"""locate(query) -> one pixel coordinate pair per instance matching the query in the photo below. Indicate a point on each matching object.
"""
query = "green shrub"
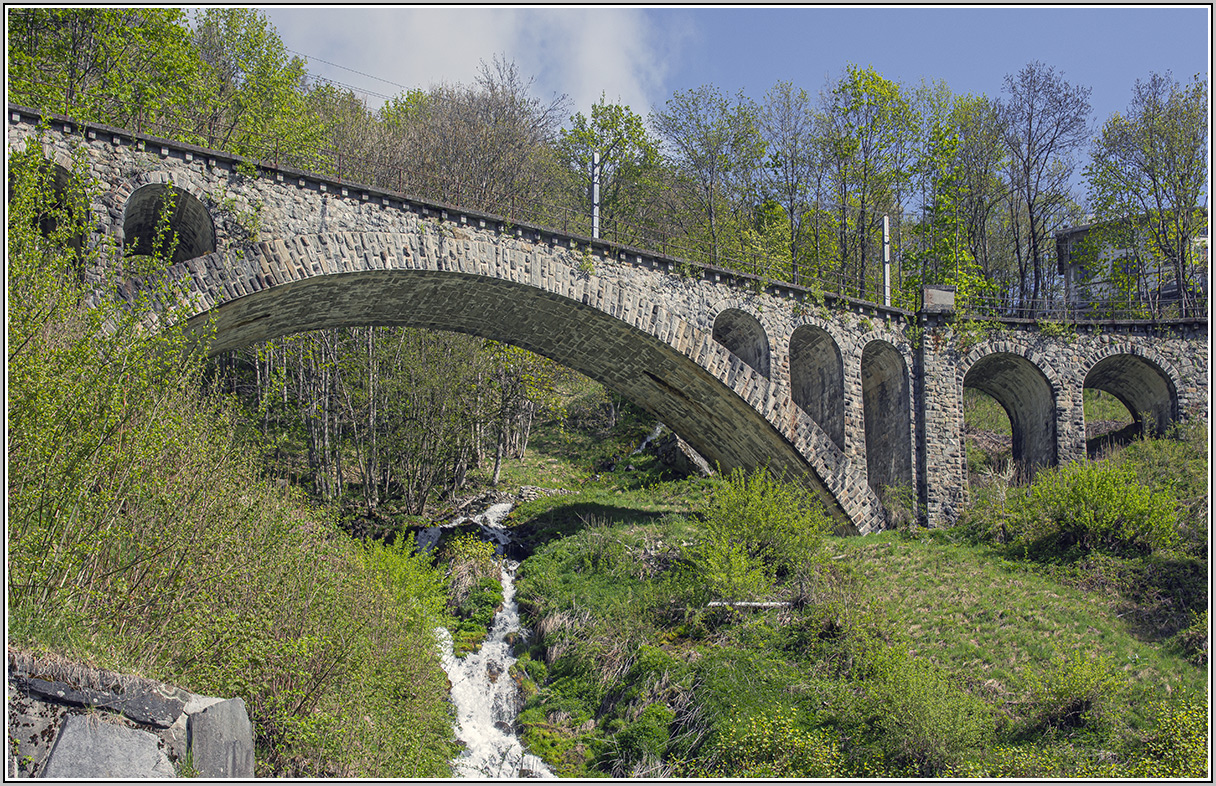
(475, 615)
(757, 530)
(729, 683)
(1178, 747)
(1177, 463)
(1037, 760)
(1085, 506)
(770, 745)
(1075, 691)
(924, 718)
(647, 736)
(469, 560)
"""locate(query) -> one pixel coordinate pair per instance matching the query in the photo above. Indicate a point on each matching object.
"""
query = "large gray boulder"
(98, 724)
(90, 747)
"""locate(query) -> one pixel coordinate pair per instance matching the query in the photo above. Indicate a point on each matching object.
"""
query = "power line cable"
(352, 70)
(345, 86)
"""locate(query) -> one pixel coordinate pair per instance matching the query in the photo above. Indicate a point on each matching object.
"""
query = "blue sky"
(640, 56)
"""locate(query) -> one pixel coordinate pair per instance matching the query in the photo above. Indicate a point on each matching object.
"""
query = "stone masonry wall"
(294, 252)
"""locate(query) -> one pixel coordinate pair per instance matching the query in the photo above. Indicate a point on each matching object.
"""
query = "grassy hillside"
(144, 538)
(1032, 653)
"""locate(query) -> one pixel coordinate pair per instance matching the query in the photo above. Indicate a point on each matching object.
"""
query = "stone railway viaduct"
(849, 396)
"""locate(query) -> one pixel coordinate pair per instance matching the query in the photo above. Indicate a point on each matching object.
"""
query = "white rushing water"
(651, 437)
(486, 698)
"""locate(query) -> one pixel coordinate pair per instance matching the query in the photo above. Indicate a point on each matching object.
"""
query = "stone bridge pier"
(860, 402)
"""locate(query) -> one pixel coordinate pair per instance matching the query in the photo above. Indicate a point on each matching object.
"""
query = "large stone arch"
(619, 331)
(886, 404)
(1142, 383)
(1028, 397)
(745, 337)
(817, 378)
(190, 219)
(634, 285)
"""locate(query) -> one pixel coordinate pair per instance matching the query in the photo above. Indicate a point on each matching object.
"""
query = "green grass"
(981, 411)
(994, 623)
(898, 637)
(1100, 405)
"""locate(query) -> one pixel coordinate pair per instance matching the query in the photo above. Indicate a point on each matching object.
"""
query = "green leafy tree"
(944, 256)
(981, 156)
(250, 97)
(714, 147)
(629, 165)
(134, 68)
(1147, 180)
(868, 133)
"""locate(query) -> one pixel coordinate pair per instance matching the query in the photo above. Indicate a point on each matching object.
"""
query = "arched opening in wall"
(888, 421)
(65, 209)
(1126, 396)
(744, 336)
(817, 379)
(988, 436)
(1021, 389)
(188, 220)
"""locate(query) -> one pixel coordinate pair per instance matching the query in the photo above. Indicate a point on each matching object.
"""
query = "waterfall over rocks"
(487, 699)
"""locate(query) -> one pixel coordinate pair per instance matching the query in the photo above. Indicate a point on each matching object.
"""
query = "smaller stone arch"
(745, 337)
(190, 220)
(1142, 384)
(59, 181)
(1028, 397)
(817, 379)
(59, 168)
(886, 404)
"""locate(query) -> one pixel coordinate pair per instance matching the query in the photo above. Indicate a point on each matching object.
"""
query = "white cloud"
(579, 52)
(594, 52)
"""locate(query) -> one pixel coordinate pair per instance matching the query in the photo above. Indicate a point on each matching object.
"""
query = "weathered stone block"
(939, 299)
(89, 747)
(221, 740)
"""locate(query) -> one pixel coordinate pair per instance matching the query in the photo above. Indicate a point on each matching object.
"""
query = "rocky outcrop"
(72, 721)
(529, 493)
(679, 455)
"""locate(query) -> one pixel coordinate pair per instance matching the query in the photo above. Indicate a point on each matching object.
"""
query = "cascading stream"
(487, 699)
(651, 437)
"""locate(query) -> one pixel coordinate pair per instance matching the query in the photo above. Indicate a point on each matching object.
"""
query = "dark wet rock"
(674, 452)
